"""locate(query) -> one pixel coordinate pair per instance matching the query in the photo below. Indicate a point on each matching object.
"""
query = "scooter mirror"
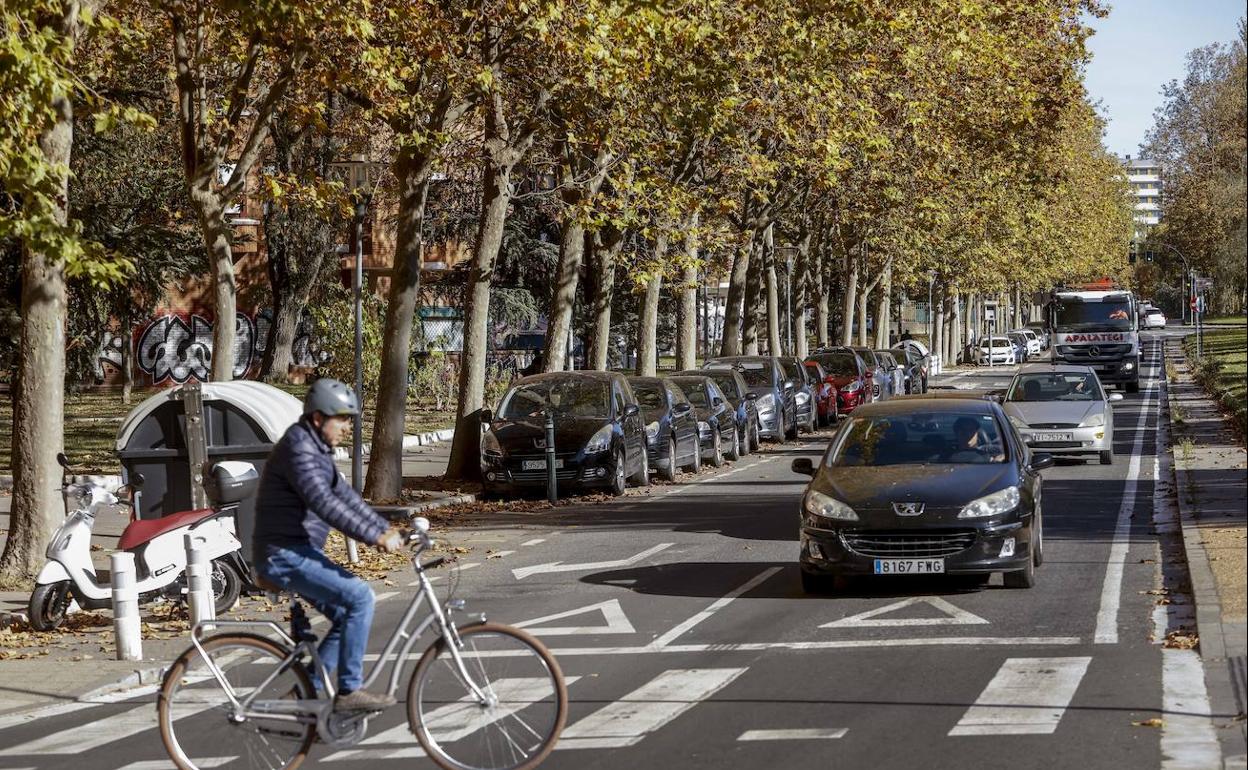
(136, 481)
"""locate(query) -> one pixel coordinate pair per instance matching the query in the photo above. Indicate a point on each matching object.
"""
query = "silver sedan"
(1062, 410)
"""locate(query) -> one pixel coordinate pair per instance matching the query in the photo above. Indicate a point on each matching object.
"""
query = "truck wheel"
(1133, 387)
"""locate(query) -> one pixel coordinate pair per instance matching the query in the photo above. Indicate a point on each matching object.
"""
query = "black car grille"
(1055, 445)
(916, 544)
(1084, 352)
(534, 476)
(1052, 425)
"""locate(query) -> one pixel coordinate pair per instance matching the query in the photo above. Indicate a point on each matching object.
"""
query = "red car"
(847, 372)
(825, 393)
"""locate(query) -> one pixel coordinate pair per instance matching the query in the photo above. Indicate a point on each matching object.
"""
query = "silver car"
(1062, 410)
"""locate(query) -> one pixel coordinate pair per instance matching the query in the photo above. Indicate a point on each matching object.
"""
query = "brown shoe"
(363, 700)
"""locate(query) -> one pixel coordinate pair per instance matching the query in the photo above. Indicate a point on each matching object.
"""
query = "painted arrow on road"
(558, 566)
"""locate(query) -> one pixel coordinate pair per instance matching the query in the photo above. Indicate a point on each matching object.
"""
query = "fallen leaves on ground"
(1181, 640)
(1154, 722)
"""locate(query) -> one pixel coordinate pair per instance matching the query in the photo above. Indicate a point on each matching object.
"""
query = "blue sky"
(1140, 46)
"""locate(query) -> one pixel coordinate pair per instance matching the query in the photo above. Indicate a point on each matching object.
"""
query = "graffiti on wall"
(176, 348)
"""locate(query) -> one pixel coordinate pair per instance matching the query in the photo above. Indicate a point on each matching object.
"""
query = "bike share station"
(191, 459)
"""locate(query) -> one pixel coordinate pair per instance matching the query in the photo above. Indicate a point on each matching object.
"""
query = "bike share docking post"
(126, 623)
(552, 479)
(199, 600)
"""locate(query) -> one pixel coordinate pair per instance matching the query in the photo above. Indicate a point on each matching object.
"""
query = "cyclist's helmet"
(331, 398)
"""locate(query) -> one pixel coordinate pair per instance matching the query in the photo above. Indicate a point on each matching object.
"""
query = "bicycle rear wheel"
(516, 729)
(194, 712)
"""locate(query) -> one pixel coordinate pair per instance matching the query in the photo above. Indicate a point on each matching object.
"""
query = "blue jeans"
(338, 595)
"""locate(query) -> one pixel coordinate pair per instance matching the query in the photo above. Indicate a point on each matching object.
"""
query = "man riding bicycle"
(302, 496)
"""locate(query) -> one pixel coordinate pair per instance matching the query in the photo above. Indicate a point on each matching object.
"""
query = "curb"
(140, 677)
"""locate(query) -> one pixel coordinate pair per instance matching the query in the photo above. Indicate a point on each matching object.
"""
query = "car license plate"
(1054, 437)
(540, 465)
(909, 566)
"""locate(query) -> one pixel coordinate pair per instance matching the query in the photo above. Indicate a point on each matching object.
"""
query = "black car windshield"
(650, 399)
(919, 439)
(1094, 315)
(726, 383)
(839, 364)
(570, 397)
(1055, 386)
(694, 390)
(754, 373)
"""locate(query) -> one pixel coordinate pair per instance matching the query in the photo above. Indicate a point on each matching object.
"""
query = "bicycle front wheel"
(194, 712)
(517, 722)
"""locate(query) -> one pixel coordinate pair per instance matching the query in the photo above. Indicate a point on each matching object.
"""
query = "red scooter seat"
(141, 531)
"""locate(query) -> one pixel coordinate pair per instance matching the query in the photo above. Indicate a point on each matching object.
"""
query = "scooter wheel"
(227, 584)
(48, 605)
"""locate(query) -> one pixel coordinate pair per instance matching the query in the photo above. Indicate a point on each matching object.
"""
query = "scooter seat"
(141, 531)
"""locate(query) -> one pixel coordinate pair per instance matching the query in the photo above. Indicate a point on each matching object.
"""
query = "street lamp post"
(931, 279)
(360, 178)
(1185, 280)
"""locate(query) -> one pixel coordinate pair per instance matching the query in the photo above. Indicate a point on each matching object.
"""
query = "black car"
(743, 400)
(777, 405)
(717, 419)
(922, 486)
(916, 361)
(671, 426)
(600, 439)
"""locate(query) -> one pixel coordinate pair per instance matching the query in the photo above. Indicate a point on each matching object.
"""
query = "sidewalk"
(1211, 481)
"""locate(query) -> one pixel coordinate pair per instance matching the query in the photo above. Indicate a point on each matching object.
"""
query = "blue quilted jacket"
(302, 495)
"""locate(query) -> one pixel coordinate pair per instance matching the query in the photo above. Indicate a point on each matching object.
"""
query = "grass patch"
(92, 419)
(1227, 319)
(1223, 371)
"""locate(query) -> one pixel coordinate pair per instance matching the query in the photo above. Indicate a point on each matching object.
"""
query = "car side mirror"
(682, 408)
(632, 410)
(1114, 397)
(487, 416)
(804, 466)
(1041, 460)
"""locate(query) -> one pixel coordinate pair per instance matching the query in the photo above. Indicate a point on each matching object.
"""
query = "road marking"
(617, 621)
(647, 709)
(811, 734)
(92, 735)
(846, 644)
(1027, 697)
(454, 721)
(382, 597)
(716, 606)
(163, 764)
(558, 566)
(1111, 590)
(954, 616)
(1188, 739)
(534, 541)
(469, 565)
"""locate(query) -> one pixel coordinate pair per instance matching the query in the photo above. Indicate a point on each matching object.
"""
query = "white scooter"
(69, 581)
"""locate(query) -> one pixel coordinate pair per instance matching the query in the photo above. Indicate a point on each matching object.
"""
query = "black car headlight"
(995, 504)
(490, 446)
(600, 441)
(827, 507)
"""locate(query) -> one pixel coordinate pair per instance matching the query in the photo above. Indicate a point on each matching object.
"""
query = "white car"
(1154, 319)
(1034, 345)
(1062, 410)
(1000, 351)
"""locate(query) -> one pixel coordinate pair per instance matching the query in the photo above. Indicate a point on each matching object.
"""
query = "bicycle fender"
(52, 572)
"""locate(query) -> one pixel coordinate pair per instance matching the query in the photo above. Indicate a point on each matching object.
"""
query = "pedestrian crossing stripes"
(1027, 697)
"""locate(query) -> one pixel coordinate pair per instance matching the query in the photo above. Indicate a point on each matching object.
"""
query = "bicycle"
(482, 697)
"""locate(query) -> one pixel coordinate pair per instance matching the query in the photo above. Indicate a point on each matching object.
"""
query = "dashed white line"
(534, 541)
(716, 606)
(1028, 696)
(798, 734)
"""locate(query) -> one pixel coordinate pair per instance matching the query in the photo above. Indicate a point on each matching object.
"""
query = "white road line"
(534, 541)
(558, 566)
(716, 606)
(846, 644)
(163, 764)
(469, 565)
(382, 597)
(610, 611)
(810, 734)
(1188, 738)
(453, 721)
(1111, 589)
(499, 554)
(647, 709)
(92, 735)
(953, 615)
(1027, 697)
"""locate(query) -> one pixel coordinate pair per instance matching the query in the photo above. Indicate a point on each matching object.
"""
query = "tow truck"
(1097, 325)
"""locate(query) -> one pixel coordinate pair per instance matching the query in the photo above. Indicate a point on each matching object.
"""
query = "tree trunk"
(606, 246)
(127, 359)
(687, 309)
(864, 298)
(801, 295)
(775, 345)
(847, 302)
(821, 301)
(734, 304)
(648, 315)
(496, 184)
(385, 465)
(216, 232)
(567, 275)
(883, 310)
(936, 315)
(39, 401)
(753, 300)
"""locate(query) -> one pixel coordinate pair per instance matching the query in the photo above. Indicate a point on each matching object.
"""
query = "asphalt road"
(698, 583)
